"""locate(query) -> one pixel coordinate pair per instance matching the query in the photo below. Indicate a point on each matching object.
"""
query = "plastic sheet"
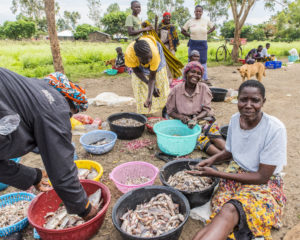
(9, 124)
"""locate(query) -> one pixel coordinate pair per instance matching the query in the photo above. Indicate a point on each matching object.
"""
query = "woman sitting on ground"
(190, 102)
(145, 56)
(250, 198)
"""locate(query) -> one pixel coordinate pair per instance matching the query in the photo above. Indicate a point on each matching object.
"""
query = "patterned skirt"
(140, 91)
(262, 204)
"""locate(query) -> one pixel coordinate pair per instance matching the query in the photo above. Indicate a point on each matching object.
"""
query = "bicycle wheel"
(221, 54)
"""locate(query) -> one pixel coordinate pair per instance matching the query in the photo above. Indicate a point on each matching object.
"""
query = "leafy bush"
(82, 31)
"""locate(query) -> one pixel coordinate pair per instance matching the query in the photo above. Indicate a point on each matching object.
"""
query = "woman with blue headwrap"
(36, 113)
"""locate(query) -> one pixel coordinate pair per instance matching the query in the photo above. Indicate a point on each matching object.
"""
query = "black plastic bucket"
(195, 199)
(219, 94)
(141, 195)
(127, 133)
(223, 131)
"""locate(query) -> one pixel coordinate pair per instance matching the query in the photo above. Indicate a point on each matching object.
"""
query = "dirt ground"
(283, 101)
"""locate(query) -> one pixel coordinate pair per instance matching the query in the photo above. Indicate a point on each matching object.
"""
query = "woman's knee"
(229, 210)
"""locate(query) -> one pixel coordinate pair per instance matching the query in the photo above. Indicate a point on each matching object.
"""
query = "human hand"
(148, 103)
(184, 119)
(203, 171)
(149, 28)
(92, 213)
(192, 123)
(43, 185)
(205, 163)
(156, 92)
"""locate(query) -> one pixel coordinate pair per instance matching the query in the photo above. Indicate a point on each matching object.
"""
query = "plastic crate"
(293, 58)
(273, 64)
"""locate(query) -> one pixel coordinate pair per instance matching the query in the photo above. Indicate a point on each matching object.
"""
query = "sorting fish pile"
(152, 121)
(60, 219)
(127, 122)
(137, 181)
(84, 173)
(100, 142)
(184, 181)
(13, 213)
(154, 218)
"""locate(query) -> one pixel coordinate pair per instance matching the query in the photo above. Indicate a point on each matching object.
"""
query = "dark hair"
(118, 48)
(198, 6)
(254, 84)
(141, 48)
(260, 46)
(268, 44)
(132, 2)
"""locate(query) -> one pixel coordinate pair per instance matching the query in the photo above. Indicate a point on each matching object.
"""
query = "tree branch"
(250, 5)
(242, 9)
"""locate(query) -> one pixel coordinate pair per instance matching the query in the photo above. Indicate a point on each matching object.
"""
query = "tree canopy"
(114, 23)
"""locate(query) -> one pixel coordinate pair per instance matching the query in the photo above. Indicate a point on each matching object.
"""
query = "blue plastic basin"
(175, 138)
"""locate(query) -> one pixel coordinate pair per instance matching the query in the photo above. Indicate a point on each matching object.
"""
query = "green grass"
(87, 60)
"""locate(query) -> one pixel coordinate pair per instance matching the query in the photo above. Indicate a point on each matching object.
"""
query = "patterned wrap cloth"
(262, 204)
(190, 66)
(68, 89)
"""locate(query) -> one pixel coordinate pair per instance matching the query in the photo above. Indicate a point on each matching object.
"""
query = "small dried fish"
(84, 173)
(127, 122)
(60, 219)
(186, 182)
(153, 218)
(100, 142)
(13, 213)
(136, 181)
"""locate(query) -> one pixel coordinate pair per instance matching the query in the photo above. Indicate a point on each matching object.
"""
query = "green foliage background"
(87, 60)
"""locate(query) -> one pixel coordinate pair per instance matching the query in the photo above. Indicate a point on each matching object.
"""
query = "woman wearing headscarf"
(145, 56)
(190, 102)
(169, 37)
(36, 113)
(198, 28)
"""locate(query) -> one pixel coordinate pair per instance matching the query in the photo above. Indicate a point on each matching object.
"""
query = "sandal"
(164, 157)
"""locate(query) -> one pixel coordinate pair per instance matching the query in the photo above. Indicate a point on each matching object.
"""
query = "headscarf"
(194, 52)
(166, 14)
(192, 65)
(68, 89)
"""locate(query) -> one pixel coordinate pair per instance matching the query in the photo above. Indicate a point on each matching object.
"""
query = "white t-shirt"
(264, 53)
(266, 143)
(198, 28)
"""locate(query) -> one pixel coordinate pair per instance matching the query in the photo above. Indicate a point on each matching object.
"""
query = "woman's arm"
(262, 176)
(185, 33)
(211, 30)
(201, 115)
(181, 117)
(132, 32)
(138, 72)
(151, 88)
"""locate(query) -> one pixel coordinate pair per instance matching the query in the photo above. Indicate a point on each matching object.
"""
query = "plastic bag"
(112, 99)
(9, 124)
(84, 119)
(75, 123)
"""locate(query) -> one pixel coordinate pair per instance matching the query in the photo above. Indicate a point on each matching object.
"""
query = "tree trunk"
(55, 49)
(236, 43)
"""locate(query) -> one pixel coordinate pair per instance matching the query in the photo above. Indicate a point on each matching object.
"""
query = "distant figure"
(266, 56)
(194, 56)
(198, 28)
(133, 23)
(254, 55)
(120, 61)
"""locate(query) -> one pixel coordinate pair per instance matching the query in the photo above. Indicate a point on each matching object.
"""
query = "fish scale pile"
(184, 181)
(154, 218)
(137, 181)
(13, 213)
(84, 173)
(60, 219)
(127, 122)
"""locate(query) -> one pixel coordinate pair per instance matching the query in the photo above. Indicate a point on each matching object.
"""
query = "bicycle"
(223, 51)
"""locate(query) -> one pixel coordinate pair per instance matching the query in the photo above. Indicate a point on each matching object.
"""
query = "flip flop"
(164, 157)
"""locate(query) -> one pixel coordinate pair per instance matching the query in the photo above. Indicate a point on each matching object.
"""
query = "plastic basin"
(141, 195)
(127, 133)
(149, 127)
(49, 202)
(88, 164)
(96, 135)
(175, 138)
(111, 72)
(195, 198)
(219, 94)
(133, 170)
(11, 198)
(4, 186)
